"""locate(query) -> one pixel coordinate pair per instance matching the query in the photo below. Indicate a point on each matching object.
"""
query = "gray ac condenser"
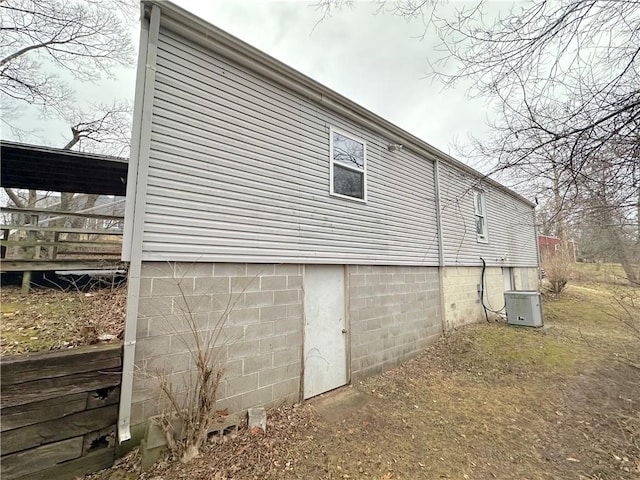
(523, 308)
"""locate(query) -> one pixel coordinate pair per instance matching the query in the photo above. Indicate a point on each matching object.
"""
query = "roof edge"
(62, 151)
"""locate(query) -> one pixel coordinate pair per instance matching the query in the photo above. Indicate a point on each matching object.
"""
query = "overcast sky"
(375, 60)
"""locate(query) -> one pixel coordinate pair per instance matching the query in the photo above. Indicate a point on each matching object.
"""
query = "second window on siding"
(348, 166)
(481, 216)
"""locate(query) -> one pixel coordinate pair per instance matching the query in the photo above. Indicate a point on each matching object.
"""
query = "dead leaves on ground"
(49, 319)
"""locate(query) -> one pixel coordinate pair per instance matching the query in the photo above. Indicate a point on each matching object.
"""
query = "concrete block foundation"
(256, 313)
(461, 291)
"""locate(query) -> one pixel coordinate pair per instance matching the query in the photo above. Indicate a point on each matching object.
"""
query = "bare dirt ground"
(49, 319)
(489, 401)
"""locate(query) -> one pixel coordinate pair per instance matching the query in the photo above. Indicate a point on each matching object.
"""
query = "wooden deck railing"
(42, 240)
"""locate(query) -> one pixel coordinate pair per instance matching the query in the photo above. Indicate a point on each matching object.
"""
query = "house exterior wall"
(510, 223)
(527, 278)
(232, 200)
(239, 170)
(393, 313)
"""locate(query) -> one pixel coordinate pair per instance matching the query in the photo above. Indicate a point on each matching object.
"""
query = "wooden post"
(54, 249)
(3, 249)
(26, 282)
(31, 235)
(37, 248)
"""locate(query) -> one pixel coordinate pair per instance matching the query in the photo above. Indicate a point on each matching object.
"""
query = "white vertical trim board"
(132, 172)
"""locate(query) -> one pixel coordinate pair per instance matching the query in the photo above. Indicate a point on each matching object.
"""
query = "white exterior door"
(325, 347)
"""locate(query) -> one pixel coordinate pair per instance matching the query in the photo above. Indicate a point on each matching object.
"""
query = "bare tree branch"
(564, 80)
(87, 39)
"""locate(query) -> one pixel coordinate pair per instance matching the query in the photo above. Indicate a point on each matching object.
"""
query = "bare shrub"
(558, 268)
(625, 307)
(191, 409)
(96, 306)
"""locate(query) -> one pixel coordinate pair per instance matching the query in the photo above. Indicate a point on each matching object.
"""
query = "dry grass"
(601, 273)
(49, 319)
(489, 401)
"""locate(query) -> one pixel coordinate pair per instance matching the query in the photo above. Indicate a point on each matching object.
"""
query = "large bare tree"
(565, 80)
(41, 43)
(48, 47)
(566, 77)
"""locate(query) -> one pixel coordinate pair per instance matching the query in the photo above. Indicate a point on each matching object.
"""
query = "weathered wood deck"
(88, 264)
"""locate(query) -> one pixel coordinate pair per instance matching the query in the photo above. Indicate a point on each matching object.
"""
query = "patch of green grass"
(578, 306)
(523, 347)
(604, 319)
(593, 308)
(584, 324)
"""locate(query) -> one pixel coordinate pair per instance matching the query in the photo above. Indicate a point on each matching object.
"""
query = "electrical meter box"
(523, 308)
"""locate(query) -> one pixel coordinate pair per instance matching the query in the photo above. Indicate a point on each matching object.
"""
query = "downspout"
(436, 181)
(141, 139)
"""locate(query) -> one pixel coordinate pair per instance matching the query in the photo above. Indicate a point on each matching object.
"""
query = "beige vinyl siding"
(510, 224)
(239, 171)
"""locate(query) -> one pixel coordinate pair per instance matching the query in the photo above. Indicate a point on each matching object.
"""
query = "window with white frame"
(348, 166)
(480, 216)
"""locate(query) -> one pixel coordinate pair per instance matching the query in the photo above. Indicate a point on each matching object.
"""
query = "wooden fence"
(44, 240)
(59, 412)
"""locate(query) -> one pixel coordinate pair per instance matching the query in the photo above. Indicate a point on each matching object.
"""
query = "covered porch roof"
(36, 167)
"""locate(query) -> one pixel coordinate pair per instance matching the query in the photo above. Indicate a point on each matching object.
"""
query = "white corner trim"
(132, 172)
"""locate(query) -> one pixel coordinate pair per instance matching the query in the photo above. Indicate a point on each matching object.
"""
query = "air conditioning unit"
(523, 308)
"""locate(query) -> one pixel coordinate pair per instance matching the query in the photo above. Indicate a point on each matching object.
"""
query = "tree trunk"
(637, 182)
(17, 201)
(561, 223)
(630, 270)
(90, 202)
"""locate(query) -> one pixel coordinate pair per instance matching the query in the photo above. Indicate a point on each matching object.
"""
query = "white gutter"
(203, 33)
(137, 192)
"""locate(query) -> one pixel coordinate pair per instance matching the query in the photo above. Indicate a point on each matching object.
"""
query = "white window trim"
(333, 130)
(481, 238)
